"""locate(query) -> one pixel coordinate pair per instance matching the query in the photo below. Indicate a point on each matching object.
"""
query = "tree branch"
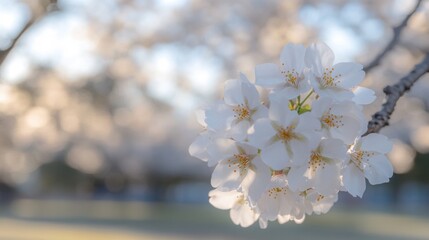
(396, 35)
(42, 9)
(4, 53)
(393, 93)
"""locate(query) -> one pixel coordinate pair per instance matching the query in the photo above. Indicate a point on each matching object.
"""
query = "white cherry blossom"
(287, 81)
(240, 166)
(329, 80)
(367, 159)
(240, 211)
(289, 156)
(322, 170)
(342, 120)
(239, 111)
(278, 201)
(285, 136)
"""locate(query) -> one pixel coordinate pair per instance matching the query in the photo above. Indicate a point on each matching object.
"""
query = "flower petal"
(263, 132)
(233, 94)
(377, 143)
(284, 95)
(354, 180)
(268, 75)
(296, 179)
(379, 170)
(363, 96)
(239, 130)
(250, 94)
(327, 180)
(219, 117)
(292, 57)
(350, 74)
(257, 180)
(334, 149)
(318, 57)
(222, 148)
(198, 147)
(226, 176)
(276, 156)
(223, 200)
(243, 214)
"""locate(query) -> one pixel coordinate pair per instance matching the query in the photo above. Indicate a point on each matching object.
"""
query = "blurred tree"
(108, 89)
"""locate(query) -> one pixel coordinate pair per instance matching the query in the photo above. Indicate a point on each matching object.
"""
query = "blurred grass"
(67, 219)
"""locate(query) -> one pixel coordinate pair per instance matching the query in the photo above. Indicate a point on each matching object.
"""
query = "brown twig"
(44, 7)
(4, 53)
(396, 35)
(393, 93)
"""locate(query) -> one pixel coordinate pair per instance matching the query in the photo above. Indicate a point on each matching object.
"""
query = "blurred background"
(98, 100)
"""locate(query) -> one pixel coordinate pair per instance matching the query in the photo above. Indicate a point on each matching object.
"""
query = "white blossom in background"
(288, 157)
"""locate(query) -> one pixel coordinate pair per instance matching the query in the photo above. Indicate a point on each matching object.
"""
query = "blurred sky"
(117, 83)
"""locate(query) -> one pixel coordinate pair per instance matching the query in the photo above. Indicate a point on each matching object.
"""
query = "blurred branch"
(4, 53)
(396, 35)
(45, 6)
(393, 93)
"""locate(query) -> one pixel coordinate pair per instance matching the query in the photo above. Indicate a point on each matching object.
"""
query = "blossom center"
(286, 134)
(328, 80)
(316, 161)
(330, 120)
(276, 191)
(242, 161)
(241, 112)
(358, 156)
(291, 77)
(320, 198)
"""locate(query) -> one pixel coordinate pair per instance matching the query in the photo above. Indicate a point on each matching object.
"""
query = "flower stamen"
(241, 112)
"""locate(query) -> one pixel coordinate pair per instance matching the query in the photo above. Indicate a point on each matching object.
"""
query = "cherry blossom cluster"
(289, 153)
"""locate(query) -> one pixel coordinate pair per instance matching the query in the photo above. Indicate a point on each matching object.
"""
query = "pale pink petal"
(263, 223)
(268, 75)
(263, 132)
(276, 156)
(243, 215)
(250, 94)
(320, 106)
(349, 74)
(301, 152)
(296, 179)
(379, 170)
(198, 147)
(377, 143)
(257, 180)
(334, 149)
(238, 131)
(308, 122)
(223, 200)
(219, 117)
(233, 94)
(327, 180)
(226, 176)
(201, 115)
(354, 180)
(278, 112)
(284, 95)
(318, 57)
(292, 56)
(363, 96)
(222, 148)
(349, 131)
(261, 112)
